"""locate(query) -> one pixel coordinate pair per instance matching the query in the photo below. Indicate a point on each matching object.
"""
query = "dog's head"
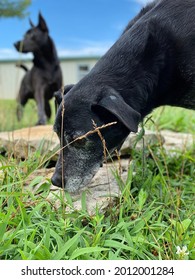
(34, 38)
(87, 125)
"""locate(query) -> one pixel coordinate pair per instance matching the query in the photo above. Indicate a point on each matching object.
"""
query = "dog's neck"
(46, 56)
(145, 73)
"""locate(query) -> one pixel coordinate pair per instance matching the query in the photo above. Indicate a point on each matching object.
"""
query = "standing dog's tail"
(22, 66)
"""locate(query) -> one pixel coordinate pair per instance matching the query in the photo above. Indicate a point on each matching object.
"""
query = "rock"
(102, 189)
(149, 139)
(21, 143)
(105, 186)
(175, 141)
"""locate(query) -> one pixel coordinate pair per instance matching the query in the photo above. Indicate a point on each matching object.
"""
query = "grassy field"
(177, 119)
(154, 214)
(8, 119)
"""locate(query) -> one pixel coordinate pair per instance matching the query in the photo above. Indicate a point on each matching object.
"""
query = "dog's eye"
(75, 140)
(32, 36)
(80, 142)
(68, 138)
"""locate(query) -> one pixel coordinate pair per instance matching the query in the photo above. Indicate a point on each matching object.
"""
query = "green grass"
(8, 119)
(175, 119)
(154, 214)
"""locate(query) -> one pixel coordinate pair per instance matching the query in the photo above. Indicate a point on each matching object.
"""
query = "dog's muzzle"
(17, 45)
(56, 179)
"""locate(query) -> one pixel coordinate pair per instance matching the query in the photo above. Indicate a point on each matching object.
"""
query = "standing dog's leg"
(22, 99)
(40, 100)
(47, 108)
(20, 107)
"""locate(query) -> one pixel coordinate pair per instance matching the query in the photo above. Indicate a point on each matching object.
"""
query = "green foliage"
(154, 214)
(175, 119)
(14, 8)
(8, 119)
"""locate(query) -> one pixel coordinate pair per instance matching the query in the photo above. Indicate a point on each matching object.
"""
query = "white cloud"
(88, 51)
(82, 47)
(12, 54)
(98, 50)
(86, 48)
(143, 2)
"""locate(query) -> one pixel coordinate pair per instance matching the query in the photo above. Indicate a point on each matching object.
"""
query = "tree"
(15, 8)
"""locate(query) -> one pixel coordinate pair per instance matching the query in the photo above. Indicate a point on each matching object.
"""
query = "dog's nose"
(17, 45)
(56, 179)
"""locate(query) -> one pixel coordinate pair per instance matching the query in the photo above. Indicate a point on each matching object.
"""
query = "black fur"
(151, 64)
(45, 77)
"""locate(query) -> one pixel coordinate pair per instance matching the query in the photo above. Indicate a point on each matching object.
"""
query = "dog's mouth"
(18, 45)
(74, 184)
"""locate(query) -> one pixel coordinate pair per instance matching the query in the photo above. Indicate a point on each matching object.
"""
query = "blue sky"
(78, 27)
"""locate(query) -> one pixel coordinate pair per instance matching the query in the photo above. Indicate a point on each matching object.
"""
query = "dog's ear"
(67, 88)
(58, 97)
(158, 42)
(42, 23)
(31, 23)
(60, 93)
(121, 110)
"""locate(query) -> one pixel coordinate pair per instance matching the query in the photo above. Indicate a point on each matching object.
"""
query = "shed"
(73, 69)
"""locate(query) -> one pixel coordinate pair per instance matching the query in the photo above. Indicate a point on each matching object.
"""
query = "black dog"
(45, 77)
(151, 64)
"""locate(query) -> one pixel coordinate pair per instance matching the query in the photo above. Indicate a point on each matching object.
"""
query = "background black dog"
(45, 77)
(151, 64)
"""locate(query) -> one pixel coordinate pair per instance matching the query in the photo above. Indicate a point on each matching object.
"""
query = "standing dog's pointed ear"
(31, 23)
(116, 105)
(42, 23)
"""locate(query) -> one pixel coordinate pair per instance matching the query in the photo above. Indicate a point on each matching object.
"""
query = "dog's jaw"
(75, 184)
